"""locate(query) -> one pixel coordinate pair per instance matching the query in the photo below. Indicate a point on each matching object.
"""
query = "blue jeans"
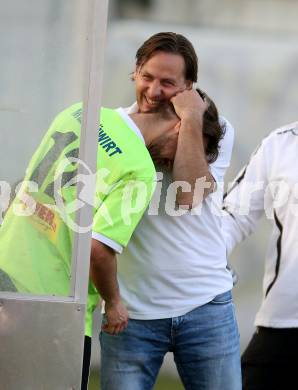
(205, 344)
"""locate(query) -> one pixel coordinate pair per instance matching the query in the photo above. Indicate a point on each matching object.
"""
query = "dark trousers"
(270, 361)
(86, 363)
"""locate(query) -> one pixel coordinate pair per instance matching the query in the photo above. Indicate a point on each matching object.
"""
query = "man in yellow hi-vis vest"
(37, 232)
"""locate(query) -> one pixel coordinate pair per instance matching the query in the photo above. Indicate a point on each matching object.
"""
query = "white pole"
(97, 25)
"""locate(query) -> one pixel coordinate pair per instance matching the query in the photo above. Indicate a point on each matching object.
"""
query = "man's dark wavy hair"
(170, 42)
(213, 130)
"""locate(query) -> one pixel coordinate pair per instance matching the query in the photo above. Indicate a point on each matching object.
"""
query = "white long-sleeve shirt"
(269, 184)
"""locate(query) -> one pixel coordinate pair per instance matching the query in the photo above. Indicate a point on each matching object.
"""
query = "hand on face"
(163, 149)
(158, 79)
(189, 103)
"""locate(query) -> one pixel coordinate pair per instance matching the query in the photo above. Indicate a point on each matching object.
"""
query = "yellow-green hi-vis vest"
(36, 236)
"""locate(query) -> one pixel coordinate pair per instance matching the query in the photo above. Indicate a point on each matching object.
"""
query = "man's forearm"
(190, 162)
(103, 271)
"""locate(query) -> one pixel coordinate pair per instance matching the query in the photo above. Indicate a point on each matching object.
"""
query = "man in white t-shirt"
(268, 186)
(173, 276)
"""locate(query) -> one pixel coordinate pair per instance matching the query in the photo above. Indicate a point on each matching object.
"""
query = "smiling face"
(159, 79)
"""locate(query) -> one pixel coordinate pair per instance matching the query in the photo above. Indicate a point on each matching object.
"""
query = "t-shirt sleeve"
(219, 167)
(121, 210)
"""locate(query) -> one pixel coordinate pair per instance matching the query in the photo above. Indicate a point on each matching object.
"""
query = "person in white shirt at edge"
(268, 185)
(173, 278)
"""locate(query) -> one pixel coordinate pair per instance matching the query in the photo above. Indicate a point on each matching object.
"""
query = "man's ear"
(134, 73)
(189, 84)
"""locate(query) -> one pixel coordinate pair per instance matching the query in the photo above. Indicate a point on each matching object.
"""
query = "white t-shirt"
(269, 184)
(172, 263)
